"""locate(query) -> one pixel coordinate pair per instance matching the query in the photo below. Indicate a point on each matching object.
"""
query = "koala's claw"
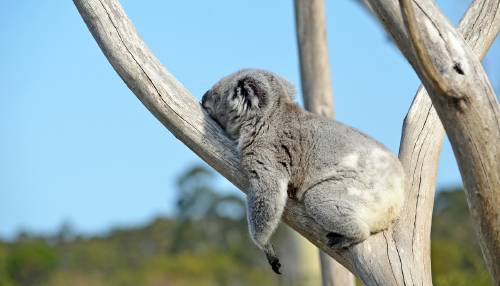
(275, 263)
(338, 241)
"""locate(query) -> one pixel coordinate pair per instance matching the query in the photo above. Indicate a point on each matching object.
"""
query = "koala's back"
(344, 160)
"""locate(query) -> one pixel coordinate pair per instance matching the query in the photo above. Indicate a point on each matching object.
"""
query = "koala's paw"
(338, 241)
(275, 263)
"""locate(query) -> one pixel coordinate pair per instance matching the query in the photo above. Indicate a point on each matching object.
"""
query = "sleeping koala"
(348, 183)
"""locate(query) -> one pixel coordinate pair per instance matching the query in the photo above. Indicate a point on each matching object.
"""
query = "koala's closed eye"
(236, 91)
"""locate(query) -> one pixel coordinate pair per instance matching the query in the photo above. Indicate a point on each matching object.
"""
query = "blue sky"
(77, 146)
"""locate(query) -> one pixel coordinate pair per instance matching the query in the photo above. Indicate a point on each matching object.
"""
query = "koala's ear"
(252, 91)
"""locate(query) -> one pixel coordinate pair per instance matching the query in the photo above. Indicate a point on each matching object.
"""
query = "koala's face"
(242, 97)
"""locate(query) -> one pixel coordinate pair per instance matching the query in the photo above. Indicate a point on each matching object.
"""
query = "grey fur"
(348, 182)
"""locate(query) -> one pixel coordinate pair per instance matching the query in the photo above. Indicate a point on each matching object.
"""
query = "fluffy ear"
(252, 90)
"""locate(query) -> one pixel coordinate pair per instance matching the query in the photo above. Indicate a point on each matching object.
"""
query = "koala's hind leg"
(338, 214)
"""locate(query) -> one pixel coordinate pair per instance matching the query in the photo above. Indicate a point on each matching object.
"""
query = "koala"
(349, 184)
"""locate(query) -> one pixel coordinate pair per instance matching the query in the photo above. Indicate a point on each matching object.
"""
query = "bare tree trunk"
(400, 255)
(467, 106)
(333, 273)
(318, 97)
(313, 57)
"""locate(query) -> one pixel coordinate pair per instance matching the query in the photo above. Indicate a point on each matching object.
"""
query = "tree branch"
(366, 4)
(313, 57)
(378, 261)
(469, 111)
(423, 133)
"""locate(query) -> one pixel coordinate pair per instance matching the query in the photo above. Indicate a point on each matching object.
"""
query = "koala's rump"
(359, 171)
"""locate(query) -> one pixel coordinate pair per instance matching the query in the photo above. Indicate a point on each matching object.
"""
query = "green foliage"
(30, 262)
(207, 243)
(4, 275)
(455, 253)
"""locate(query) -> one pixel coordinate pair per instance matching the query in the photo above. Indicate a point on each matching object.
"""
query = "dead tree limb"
(317, 91)
(422, 131)
(467, 106)
(388, 258)
(313, 57)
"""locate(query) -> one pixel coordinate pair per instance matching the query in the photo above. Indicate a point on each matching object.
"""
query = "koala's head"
(244, 96)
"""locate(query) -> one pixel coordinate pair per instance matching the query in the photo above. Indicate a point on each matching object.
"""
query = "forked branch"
(389, 258)
(468, 108)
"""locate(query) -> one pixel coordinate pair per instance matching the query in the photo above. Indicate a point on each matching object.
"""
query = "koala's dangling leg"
(266, 201)
(337, 213)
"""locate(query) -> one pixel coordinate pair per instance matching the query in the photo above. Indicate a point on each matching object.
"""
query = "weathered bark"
(423, 132)
(366, 4)
(310, 25)
(314, 71)
(468, 108)
(393, 257)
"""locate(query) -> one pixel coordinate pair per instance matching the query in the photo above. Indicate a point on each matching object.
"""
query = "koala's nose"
(204, 99)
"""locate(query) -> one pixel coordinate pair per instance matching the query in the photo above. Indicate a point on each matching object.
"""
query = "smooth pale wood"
(423, 132)
(365, 4)
(468, 108)
(313, 56)
(303, 268)
(317, 91)
(384, 259)
(333, 273)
